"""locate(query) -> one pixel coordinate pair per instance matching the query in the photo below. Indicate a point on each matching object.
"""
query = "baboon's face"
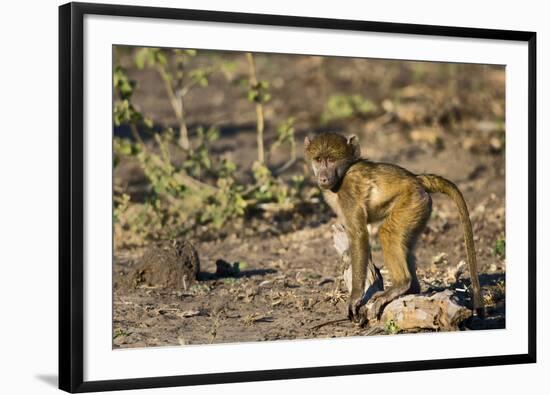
(328, 171)
(330, 155)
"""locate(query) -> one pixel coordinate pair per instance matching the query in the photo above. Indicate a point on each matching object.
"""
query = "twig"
(284, 167)
(191, 182)
(181, 177)
(137, 137)
(176, 100)
(313, 328)
(374, 330)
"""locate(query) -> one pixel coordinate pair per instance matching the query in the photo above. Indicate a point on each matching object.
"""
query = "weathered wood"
(439, 311)
(373, 282)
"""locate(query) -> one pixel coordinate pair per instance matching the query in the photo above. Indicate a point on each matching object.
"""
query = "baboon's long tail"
(433, 183)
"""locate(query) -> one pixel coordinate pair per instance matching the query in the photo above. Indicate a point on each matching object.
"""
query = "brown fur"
(360, 192)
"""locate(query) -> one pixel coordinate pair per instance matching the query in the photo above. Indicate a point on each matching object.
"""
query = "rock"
(412, 113)
(440, 259)
(488, 127)
(429, 135)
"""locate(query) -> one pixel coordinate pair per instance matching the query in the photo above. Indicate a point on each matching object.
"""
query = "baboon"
(360, 191)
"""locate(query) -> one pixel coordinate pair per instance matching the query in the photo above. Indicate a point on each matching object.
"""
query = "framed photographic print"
(251, 197)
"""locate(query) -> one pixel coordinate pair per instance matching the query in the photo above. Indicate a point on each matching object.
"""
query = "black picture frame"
(71, 203)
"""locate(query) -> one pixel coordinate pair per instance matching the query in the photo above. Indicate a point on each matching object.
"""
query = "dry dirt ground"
(289, 275)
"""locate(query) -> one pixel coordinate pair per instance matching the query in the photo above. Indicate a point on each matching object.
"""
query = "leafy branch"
(178, 83)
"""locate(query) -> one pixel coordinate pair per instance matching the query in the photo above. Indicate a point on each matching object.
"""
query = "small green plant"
(121, 203)
(198, 161)
(124, 111)
(135, 223)
(149, 57)
(264, 182)
(340, 107)
(286, 136)
(259, 92)
(230, 280)
(200, 288)
(238, 267)
(500, 248)
(391, 328)
(297, 183)
(123, 147)
(121, 332)
(226, 203)
(269, 188)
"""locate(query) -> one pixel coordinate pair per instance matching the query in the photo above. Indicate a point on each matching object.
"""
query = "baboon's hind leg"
(398, 236)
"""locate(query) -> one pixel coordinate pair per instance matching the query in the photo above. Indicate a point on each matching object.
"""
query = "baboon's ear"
(353, 141)
(307, 142)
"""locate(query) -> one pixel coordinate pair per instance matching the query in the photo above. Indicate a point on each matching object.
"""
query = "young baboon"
(361, 192)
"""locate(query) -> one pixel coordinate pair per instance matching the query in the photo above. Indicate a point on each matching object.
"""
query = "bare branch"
(259, 108)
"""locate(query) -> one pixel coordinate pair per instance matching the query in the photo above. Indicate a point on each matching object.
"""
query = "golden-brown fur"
(360, 192)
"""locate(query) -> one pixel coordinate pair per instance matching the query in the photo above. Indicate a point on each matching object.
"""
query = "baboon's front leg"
(373, 281)
(358, 236)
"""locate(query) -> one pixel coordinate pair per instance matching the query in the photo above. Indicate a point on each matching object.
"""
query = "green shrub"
(340, 107)
(186, 185)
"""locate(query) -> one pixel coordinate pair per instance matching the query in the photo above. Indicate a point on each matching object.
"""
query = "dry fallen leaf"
(190, 313)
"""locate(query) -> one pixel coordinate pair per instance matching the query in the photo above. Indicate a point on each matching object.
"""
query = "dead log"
(439, 311)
